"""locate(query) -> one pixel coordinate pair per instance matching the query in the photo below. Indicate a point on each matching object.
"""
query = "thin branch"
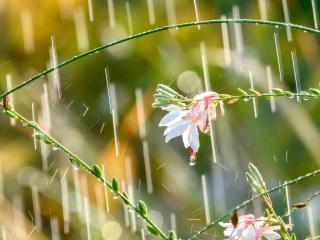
(76, 160)
(156, 30)
(245, 203)
(166, 96)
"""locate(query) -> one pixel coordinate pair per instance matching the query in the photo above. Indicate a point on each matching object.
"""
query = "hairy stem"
(245, 203)
(84, 166)
(156, 30)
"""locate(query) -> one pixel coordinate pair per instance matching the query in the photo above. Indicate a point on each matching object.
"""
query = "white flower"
(251, 228)
(186, 122)
(177, 125)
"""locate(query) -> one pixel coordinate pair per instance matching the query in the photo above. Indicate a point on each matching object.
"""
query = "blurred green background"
(40, 188)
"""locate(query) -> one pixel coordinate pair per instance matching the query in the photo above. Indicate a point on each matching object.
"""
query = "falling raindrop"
(287, 19)
(315, 14)
(151, 14)
(112, 19)
(87, 215)
(77, 189)
(65, 8)
(27, 31)
(10, 97)
(288, 203)
(147, 163)
(270, 87)
(171, 12)
(116, 196)
(254, 103)
(54, 64)
(279, 58)
(142, 133)
(132, 212)
(205, 198)
(125, 207)
(143, 237)
(263, 9)
(105, 189)
(192, 161)
(173, 222)
(36, 207)
(208, 88)
(46, 114)
(311, 221)
(296, 72)
(81, 29)
(238, 36)
(18, 218)
(75, 163)
(90, 10)
(114, 114)
(54, 223)
(86, 109)
(196, 9)
(226, 42)
(4, 233)
(34, 131)
(129, 17)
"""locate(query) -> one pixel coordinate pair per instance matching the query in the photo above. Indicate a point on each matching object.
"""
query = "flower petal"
(170, 117)
(271, 235)
(171, 108)
(249, 233)
(201, 96)
(194, 143)
(176, 131)
(186, 137)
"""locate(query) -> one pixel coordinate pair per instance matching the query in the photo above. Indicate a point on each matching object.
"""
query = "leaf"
(256, 93)
(278, 91)
(126, 198)
(252, 181)
(232, 101)
(288, 93)
(96, 170)
(257, 176)
(40, 136)
(315, 91)
(153, 230)
(169, 90)
(142, 208)
(10, 114)
(115, 185)
(242, 92)
(172, 235)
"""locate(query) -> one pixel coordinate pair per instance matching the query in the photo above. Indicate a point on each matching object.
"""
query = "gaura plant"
(186, 117)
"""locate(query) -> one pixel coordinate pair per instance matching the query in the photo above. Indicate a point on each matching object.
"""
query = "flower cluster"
(250, 228)
(186, 121)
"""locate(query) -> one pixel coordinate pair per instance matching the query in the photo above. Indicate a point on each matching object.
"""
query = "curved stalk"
(245, 203)
(156, 30)
(80, 163)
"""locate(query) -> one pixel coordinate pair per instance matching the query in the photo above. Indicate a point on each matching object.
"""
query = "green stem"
(85, 166)
(249, 96)
(247, 202)
(282, 224)
(156, 30)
